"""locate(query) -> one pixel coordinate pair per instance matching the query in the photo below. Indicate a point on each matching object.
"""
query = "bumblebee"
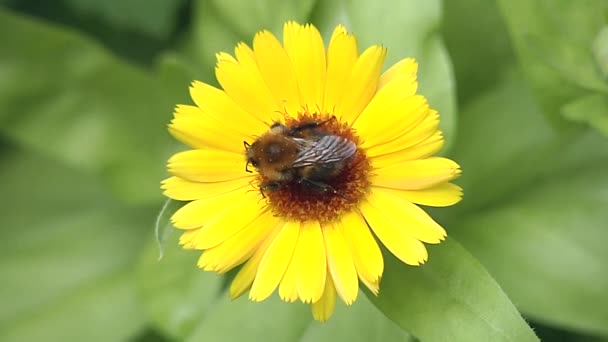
(304, 154)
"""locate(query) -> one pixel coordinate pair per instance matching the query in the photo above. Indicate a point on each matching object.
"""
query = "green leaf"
(360, 322)
(476, 69)
(554, 40)
(600, 50)
(591, 109)
(67, 254)
(242, 319)
(506, 137)
(247, 17)
(450, 298)
(68, 98)
(409, 29)
(547, 249)
(176, 294)
(274, 320)
(153, 17)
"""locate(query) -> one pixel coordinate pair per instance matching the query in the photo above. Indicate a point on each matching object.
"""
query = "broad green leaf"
(600, 50)
(274, 320)
(360, 322)
(547, 249)
(175, 293)
(247, 17)
(554, 40)
(153, 17)
(450, 298)
(244, 320)
(591, 109)
(210, 35)
(480, 49)
(510, 144)
(409, 29)
(67, 97)
(67, 255)
(504, 133)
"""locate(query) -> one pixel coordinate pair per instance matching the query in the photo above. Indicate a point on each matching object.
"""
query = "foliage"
(86, 91)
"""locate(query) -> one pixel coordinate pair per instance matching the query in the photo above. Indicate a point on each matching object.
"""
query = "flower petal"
(218, 105)
(305, 48)
(364, 249)
(246, 275)
(386, 119)
(414, 174)
(184, 190)
(406, 67)
(241, 246)
(275, 262)
(361, 84)
(340, 264)
(342, 55)
(230, 220)
(405, 216)
(408, 249)
(197, 213)
(417, 134)
(208, 165)
(324, 307)
(441, 195)
(203, 131)
(185, 240)
(288, 289)
(244, 84)
(311, 263)
(277, 70)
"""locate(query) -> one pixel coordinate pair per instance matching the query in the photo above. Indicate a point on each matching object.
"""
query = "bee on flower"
(302, 161)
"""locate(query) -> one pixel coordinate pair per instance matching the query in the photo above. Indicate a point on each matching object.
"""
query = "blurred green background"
(87, 88)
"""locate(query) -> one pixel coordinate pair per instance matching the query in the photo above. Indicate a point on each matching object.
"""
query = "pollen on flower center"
(323, 200)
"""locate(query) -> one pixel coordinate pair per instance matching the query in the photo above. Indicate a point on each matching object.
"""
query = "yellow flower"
(308, 231)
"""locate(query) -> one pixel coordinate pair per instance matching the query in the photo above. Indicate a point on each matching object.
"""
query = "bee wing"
(328, 149)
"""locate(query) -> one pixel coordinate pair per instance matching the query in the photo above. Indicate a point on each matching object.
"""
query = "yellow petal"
(416, 134)
(244, 84)
(203, 131)
(414, 174)
(196, 213)
(288, 289)
(324, 307)
(405, 216)
(406, 67)
(361, 84)
(240, 246)
(408, 249)
(441, 195)
(383, 121)
(185, 240)
(340, 264)
(275, 261)
(208, 165)
(364, 249)
(342, 55)
(246, 275)
(310, 262)
(229, 221)
(218, 105)
(305, 48)
(277, 71)
(185, 190)
(374, 287)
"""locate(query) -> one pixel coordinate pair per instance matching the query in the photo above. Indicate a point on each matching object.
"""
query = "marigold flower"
(309, 228)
